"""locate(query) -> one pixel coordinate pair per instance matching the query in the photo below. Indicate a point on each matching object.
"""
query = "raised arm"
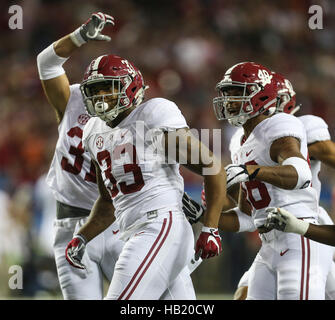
(50, 61)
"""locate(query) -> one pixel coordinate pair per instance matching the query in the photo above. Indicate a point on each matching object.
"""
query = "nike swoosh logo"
(283, 252)
(211, 238)
(248, 153)
(115, 232)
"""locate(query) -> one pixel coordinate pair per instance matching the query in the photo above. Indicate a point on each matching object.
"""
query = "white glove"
(91, 29)
(283, 220)
(237, 173)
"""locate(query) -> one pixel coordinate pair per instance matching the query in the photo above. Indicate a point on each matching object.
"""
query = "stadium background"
(182, 48)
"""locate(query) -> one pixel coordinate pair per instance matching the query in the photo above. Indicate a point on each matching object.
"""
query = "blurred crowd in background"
(183, 48)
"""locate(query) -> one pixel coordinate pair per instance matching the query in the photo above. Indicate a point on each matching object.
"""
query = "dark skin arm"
(186, 146)
(324, 234)
(323, 151)
(234, 194)
(102, 213)
(283, 176)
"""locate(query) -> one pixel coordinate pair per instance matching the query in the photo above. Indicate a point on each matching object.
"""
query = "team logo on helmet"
(264, 77)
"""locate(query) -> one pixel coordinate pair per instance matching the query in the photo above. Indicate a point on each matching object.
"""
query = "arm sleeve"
(49, 64)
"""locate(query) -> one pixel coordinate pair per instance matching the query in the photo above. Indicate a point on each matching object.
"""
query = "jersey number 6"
(265, 199)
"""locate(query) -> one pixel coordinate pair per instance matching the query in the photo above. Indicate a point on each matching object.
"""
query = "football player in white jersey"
(320, 149)
(271, 164)
(139, 181)
(72, 173)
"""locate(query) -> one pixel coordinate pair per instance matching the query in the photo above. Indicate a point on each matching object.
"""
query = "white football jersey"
(72, 173)
(256, 150)
(316, 130)
(131, 167)
(235, 143)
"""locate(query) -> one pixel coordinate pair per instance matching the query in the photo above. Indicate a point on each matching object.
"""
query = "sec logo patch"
(99, 142)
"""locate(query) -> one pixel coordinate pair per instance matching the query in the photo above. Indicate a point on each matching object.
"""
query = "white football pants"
(100, 257)
(153, 262)
(289, 267)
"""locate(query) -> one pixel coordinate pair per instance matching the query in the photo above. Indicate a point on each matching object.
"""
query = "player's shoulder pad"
(75, 97)
(316, 128)
(157, 105)
(313, 122)
(75, 92)
(75, 88)
(283, 125)
(162, 113)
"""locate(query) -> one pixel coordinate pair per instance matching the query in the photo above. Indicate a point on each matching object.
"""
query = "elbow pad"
(303, 171)
(49, 64)
(245, 221)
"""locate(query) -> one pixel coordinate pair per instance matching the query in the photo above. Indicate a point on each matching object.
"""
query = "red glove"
(75, 250)
(209, 243)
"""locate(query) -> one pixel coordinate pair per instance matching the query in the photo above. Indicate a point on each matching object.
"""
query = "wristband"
(81, 237)
(208, 229)
(246, 223)
(77, 38)
(303, 171)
